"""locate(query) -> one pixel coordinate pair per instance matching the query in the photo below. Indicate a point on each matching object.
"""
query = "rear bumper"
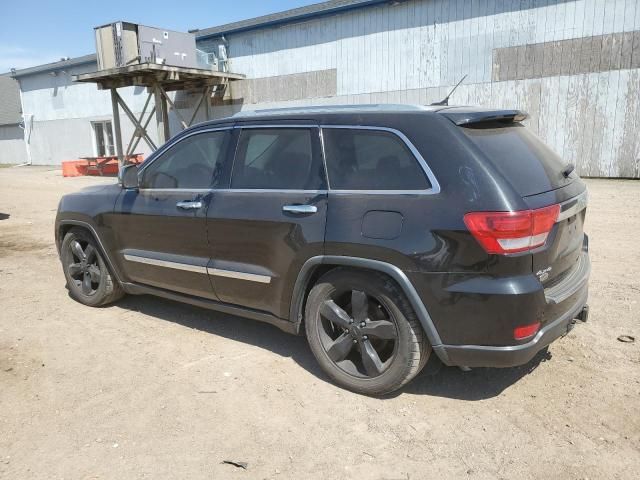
(514, 355)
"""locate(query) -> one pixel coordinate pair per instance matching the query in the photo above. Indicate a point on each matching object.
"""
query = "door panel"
(162, 245)
(379, 196)
(257, 248)
(272, 219)
(161, 229)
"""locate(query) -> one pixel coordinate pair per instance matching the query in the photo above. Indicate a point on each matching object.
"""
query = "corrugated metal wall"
(583, 95)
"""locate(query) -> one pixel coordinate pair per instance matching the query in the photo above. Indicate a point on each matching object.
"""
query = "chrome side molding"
(252, 277)
(165, 263)
(201, 269)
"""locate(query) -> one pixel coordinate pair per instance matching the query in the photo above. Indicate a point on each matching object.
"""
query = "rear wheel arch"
(317, 266)
(308, 275)
(371, 342)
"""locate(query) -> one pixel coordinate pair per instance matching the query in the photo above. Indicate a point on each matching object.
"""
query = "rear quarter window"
(520, 156)
(359, 159)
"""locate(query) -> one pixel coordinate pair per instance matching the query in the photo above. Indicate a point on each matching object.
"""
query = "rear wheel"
(88, 277)
(363, 332)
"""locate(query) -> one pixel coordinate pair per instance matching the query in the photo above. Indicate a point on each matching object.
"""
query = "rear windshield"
(520, 156)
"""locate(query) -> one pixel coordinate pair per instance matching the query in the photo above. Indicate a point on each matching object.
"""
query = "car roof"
(348, 113)
(331, 113)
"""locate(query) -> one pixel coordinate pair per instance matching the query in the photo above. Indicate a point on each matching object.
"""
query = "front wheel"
(88, 278)
(363, 332)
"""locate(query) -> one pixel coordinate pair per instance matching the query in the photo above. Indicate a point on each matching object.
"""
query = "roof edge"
(287, 16)
(47, 67)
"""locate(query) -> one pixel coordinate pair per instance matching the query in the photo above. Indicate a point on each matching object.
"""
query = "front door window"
(193, 163)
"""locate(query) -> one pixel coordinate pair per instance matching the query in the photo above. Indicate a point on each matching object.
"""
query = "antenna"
(445, 100)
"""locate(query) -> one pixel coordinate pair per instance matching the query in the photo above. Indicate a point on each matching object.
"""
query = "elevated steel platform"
(149, 74)
(158, 79)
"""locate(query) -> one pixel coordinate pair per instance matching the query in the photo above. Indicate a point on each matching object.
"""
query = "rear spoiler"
(465, 117)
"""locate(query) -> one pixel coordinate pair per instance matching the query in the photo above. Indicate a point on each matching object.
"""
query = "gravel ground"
(147, 388)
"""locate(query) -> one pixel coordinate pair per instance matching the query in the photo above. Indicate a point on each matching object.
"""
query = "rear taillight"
(512, 232)
(526, 331)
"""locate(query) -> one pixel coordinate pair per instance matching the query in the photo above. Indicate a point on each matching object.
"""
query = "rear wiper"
(568, 169)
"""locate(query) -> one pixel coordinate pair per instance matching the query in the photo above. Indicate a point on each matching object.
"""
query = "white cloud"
(14, 56)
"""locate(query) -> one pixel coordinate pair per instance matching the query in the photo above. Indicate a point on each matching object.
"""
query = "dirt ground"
(148, 388)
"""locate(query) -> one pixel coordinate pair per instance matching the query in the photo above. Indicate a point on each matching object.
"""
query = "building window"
(103, 136)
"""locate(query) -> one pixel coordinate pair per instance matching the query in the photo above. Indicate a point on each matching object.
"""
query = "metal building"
(69, 120)
(574, 65)
(12, 144)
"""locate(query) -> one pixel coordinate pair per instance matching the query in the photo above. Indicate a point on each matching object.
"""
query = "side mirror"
(129, 176)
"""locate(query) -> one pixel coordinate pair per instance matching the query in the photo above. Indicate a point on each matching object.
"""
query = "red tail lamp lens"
(512, 232)
(520, 333)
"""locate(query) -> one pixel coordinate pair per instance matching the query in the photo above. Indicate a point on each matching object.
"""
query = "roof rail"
(336, 109)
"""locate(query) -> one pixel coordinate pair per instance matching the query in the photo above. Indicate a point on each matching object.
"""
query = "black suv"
(382, 232)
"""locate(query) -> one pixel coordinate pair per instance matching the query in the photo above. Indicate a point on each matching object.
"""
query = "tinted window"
(195, 162)
(371, 160)
(525, 161)
(277, 158)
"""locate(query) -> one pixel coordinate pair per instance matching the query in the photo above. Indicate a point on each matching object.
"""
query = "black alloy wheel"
(84, 269)
(358, 333)
(363, 331)
(88, 278)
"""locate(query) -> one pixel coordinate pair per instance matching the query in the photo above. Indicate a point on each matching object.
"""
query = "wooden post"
(160, 116)
(165, 116)
(116, 126)
(207, 102)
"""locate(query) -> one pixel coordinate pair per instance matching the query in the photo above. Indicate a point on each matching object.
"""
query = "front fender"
(90, 208)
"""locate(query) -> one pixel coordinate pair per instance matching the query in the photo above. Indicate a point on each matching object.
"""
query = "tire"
(85, 262)
(389, 326)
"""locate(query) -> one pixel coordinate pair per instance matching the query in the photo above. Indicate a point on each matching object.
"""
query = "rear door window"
(359, 159)
(277, 159)
(521, 157)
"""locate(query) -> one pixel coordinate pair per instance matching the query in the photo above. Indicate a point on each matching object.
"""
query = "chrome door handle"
(300, 209)
(189, 205)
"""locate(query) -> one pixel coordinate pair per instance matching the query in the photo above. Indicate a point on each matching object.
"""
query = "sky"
(38, 31)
